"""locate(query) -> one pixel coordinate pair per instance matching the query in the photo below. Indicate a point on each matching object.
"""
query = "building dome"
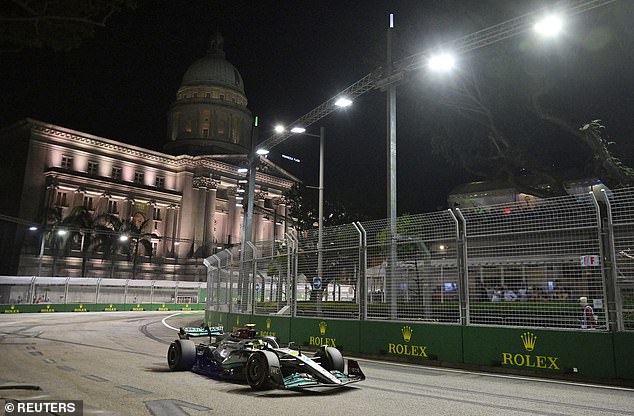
(210, 114)
(214, 69)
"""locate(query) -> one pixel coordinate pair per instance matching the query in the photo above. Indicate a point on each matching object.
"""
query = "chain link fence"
(537, 263)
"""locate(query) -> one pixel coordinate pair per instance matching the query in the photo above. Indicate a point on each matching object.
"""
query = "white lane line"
(534, 379)
(175, 314)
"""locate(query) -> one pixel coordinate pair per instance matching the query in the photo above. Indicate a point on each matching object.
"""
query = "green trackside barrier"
(623, 355)
(312, 333)
(588, 353)
(99, 307)
(418, 343)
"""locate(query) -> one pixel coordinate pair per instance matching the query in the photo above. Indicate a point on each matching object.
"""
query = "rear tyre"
(330, 358)
(258, 372)
(181, 355)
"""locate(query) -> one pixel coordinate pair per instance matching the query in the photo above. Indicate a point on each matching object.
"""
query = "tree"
(60, 25)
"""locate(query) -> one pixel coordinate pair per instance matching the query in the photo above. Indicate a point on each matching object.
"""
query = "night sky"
(295, 55)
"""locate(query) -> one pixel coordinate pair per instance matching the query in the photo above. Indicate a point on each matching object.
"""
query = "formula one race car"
(260, 360)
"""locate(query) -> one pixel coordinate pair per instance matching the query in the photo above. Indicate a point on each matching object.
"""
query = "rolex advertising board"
(412, 342)
(313, 333)
(540, 350)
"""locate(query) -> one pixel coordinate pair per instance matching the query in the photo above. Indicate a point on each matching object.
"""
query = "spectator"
(588, 318)
(509, 295)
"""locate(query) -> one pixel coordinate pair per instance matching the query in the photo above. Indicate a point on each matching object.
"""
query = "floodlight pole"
(391, 180)
(320, 222)
(247, 225)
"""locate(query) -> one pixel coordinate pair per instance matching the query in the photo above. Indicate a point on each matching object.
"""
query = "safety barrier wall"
(587, 355)
(97, 307)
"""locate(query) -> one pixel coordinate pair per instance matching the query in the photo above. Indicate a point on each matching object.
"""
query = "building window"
(222, 97)
(93, 167)
(112, 207)
(88, 203)
(116, 172)
(154, 248)
(159, 182)
(157, 214)
(205, 132)
(60, 200)
(208, 95)
(67, 162)
(139, 177)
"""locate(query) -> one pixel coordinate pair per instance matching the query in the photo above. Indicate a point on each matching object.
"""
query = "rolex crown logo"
(528, 339)
(407, 333)
(322, 327)
(268, 324)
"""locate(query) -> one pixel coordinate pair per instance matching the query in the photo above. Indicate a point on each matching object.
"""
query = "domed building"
(188, 201)
(210, 114)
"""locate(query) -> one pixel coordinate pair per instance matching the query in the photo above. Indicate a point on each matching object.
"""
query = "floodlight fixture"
(549, 26)
(442, 62)
(343, 102)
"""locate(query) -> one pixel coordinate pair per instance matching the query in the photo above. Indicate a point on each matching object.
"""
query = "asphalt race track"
(115, 362)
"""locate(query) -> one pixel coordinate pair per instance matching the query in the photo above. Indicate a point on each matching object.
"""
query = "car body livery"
(260, 360)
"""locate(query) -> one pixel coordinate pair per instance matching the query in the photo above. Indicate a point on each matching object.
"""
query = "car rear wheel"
(330, 358)
(258, 372)
(181, 355)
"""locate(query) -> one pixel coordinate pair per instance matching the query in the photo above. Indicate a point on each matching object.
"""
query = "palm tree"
(79, 225)
(108, 228)
(135, 237)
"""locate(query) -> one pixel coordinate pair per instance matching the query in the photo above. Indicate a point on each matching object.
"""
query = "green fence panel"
(624, 355)
(331, 332)
(412, 342)
(588, 353)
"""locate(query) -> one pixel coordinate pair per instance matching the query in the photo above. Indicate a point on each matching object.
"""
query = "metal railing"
(527, 264)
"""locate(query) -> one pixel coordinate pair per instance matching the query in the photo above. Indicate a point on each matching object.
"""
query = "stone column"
(258, 216)
(210, 214)
(168, 236)
(78, 198)
(126, 209)
(232, 212)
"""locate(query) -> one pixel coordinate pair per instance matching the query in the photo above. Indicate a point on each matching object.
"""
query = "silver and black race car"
(260, 360)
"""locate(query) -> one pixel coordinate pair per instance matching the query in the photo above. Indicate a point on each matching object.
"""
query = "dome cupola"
(210, 114)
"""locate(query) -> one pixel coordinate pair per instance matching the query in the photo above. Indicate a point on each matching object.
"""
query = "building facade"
(188, 201)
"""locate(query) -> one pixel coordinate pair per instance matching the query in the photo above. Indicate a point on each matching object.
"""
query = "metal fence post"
(463, 268)
(254, 270)
(615, 302)
(362, 293)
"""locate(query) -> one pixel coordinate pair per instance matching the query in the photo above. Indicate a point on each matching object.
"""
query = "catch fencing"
(19, 290)
(534, 263)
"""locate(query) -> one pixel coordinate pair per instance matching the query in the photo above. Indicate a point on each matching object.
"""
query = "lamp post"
(320, 220)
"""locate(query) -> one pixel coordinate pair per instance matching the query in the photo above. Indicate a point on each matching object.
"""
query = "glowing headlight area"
(442, 62)
(549, 26)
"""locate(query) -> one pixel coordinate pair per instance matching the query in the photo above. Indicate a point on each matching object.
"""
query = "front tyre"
(258, 372)
(330, 358)
(181, 355)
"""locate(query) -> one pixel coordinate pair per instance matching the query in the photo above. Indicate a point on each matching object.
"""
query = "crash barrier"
(528, 263)
(98, 307)
(22, 291)
(584, 355)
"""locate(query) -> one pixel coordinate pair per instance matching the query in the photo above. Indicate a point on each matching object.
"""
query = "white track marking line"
(534, 379)
(172, 315)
